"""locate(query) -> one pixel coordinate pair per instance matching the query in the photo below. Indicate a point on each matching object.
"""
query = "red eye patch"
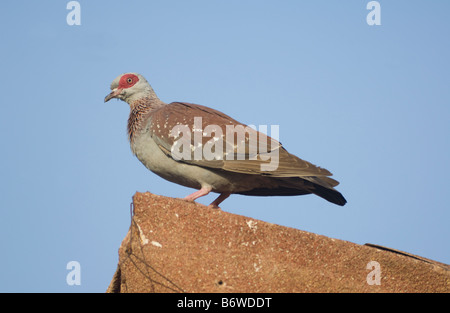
(127, 81)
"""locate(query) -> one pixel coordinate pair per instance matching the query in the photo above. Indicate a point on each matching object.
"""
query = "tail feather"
(320, 186)
(295, 186)
(329, 194)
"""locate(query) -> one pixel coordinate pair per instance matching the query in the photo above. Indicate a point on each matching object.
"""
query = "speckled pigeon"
(234, 164)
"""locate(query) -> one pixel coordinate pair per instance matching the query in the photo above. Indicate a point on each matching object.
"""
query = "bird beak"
(114, 93)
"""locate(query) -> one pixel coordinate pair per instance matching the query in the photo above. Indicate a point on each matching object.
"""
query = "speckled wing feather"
(165, 118)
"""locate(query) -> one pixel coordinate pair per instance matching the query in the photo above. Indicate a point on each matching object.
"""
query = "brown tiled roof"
(179, 246)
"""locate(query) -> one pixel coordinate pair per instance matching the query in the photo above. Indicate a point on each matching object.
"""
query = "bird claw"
(187, 200)
(213, 206)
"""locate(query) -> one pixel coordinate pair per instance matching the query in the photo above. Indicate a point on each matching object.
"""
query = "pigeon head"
(130, 87)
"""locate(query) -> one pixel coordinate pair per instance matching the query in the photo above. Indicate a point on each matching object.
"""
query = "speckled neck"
(140, 111)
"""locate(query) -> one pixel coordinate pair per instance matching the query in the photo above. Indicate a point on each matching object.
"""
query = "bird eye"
(129, 80)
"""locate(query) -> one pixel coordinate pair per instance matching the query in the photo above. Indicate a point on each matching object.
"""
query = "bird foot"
(187, 200)
(203, 192)
(215, 203)
(211, 206)
(199, 193)
(214, 206)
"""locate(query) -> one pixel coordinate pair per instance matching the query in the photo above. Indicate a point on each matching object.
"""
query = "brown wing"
(236, 151)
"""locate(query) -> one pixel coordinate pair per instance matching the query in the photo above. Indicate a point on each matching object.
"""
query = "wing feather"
(240, 157)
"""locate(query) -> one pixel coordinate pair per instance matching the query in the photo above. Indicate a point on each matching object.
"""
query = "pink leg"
(199, 193)
(215, 203)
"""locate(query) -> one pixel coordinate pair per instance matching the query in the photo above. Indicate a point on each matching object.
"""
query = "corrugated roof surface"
(179, 246)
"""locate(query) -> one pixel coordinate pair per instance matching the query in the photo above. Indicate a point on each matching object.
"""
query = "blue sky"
(369, 103)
